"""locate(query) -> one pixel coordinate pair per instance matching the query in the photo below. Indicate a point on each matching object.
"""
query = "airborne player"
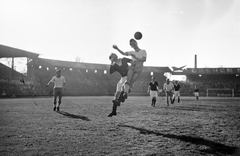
(139, 57)
(119, 65)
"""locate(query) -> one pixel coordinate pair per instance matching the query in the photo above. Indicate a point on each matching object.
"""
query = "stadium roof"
(68, 64)
(5, 73)
(6, 51)
(93, 66)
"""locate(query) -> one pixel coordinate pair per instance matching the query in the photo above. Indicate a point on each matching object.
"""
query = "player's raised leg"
(114, 108)
(118, 98)
(134, 79)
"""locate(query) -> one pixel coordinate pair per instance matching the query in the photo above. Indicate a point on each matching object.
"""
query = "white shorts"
(176, 94)
(121, 84)
(153, 93)
(196, 93)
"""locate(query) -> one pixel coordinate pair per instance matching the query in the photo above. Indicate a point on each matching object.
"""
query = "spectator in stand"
(190, 92)
(4, 93)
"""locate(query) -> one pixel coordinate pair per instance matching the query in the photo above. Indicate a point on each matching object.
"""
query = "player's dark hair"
(131, 40)
(110, 57)
(58, 70)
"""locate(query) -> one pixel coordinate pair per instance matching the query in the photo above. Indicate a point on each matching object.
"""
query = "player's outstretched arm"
(120, 51)
(148, 91)
(51, 81)
(48, 83)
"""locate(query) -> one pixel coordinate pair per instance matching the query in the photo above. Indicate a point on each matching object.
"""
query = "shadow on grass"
(201, 109)
(214, 147)
(73, 115)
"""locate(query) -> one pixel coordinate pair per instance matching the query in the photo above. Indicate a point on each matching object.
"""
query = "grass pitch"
(210, 126)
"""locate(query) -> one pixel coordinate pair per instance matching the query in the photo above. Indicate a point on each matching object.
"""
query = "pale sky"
(173, 30)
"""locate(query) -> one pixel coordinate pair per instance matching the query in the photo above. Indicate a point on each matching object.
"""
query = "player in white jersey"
(168, 87)
(139, 57)
(59, 84)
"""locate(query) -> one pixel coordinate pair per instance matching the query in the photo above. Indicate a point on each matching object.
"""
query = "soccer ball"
(138, 35)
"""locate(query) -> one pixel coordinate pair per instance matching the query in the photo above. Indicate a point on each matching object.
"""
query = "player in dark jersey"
(176, 92)
(153, 90)
(196, 92)
(119, 65)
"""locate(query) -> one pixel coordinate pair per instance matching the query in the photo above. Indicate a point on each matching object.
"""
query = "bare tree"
(78, 59)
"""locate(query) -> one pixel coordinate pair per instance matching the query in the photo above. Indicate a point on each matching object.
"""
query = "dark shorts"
(57, 91)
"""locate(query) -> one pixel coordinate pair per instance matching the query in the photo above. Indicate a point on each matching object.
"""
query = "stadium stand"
(10, 82)
(215, 78)
(89, 79)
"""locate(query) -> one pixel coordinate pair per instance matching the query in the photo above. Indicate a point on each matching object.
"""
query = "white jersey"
(168, 87)
(58, 82)
(140, 54)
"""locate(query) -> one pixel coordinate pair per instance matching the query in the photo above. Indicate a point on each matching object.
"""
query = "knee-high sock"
(114, 108)
(121, 98)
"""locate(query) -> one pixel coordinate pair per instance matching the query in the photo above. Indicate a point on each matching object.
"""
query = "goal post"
(222, 92)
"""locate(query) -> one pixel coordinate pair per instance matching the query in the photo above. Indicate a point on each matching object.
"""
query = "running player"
(168, 88)
(139, 57)
(176, 92)
(153, 90)
(119, 65)
(59, 84)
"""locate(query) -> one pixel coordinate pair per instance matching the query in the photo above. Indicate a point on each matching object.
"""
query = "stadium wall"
(83, 79)
(86, 79)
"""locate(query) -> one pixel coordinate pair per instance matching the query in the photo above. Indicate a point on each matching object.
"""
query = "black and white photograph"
(119, 77)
